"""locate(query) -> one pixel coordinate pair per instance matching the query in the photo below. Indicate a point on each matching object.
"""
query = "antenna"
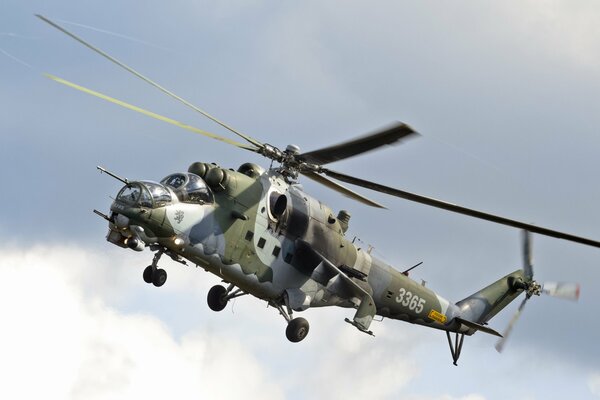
(411, 268)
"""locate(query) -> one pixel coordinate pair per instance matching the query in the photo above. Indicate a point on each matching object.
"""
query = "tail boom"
(482, 306)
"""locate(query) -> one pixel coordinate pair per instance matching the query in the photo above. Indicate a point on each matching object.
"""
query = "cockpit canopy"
(145, 194)
(189, 188)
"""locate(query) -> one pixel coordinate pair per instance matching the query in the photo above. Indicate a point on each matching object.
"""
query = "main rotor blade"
(150, 113)
(457, 209)
(387, 136)
(151, 82)
(502, 341)
(341, 189)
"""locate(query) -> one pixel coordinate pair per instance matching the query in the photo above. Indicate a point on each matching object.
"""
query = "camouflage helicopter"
(263, 235)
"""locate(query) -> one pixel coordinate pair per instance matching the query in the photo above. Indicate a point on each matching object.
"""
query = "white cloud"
(65, 335)
(594, 383)
(362, 368)
(58, 342)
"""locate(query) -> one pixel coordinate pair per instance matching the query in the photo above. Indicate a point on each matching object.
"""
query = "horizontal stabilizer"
(476, 326)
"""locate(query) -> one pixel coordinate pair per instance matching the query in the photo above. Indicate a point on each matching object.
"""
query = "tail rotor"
(562, 290)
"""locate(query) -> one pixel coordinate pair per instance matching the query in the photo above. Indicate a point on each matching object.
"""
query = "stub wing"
(336, 281)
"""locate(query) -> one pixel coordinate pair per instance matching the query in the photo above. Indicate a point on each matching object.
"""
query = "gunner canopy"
(145, 194)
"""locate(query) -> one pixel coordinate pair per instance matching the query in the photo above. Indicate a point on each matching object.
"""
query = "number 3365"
(407, 299)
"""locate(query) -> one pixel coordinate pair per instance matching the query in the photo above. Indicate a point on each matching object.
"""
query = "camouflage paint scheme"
(267, 237)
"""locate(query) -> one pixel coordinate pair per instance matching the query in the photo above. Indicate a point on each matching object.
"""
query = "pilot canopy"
(189, 188)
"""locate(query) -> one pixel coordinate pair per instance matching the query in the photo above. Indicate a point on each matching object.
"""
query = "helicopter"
(263, 235)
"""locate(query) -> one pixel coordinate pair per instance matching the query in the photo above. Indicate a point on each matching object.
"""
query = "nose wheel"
(147, 275)
(154, 275)
(157, 276)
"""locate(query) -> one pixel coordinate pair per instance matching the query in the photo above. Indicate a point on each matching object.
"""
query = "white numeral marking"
(412, 301)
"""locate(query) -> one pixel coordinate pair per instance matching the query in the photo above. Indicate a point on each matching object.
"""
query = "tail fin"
(480, 307)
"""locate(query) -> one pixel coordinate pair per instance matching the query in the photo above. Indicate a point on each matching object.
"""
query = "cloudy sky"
(505, 94)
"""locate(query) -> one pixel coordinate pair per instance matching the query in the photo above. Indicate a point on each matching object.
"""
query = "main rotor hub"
(292, 149)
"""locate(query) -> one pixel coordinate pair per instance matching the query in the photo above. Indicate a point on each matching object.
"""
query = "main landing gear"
(157, 276)
(218, 296)
(297, 328)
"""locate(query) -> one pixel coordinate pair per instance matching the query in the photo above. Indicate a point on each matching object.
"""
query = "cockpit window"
(160, 194)
(197, 190)
(129, 194)
(189, 188)
(145, 194)
(145, 198)
(175, 181)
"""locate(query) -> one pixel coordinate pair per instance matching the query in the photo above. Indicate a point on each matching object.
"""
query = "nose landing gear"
(154, 275)
(157, 276)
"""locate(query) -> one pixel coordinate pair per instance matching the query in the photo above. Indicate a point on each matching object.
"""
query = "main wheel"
(297, 329)
(148, 274)
(159, 277)
(216, 298)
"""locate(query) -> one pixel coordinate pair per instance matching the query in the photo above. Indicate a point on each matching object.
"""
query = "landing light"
(179, 242)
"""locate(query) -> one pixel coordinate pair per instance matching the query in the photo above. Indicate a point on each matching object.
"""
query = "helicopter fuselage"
(270, 239)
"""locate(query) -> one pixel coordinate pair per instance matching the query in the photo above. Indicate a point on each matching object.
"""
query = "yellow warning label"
(437, 316)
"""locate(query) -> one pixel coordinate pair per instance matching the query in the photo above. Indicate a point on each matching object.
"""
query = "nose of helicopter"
(141, 213)
(131, 220)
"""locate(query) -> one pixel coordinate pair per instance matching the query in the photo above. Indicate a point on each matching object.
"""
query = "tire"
(216, 298)
(147, 275)
(297, 330)
(159, 277)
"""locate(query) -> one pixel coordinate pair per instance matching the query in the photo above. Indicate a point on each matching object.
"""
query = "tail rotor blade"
(562, 290)
(527, 257)
(502, 341)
